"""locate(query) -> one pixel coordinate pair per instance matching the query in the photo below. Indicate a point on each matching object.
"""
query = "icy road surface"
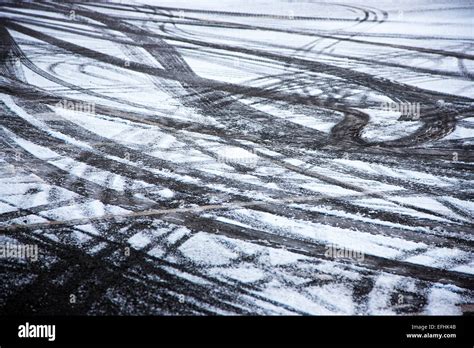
(237, 157)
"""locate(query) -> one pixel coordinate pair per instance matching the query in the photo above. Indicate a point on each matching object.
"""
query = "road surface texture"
(236, 157)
